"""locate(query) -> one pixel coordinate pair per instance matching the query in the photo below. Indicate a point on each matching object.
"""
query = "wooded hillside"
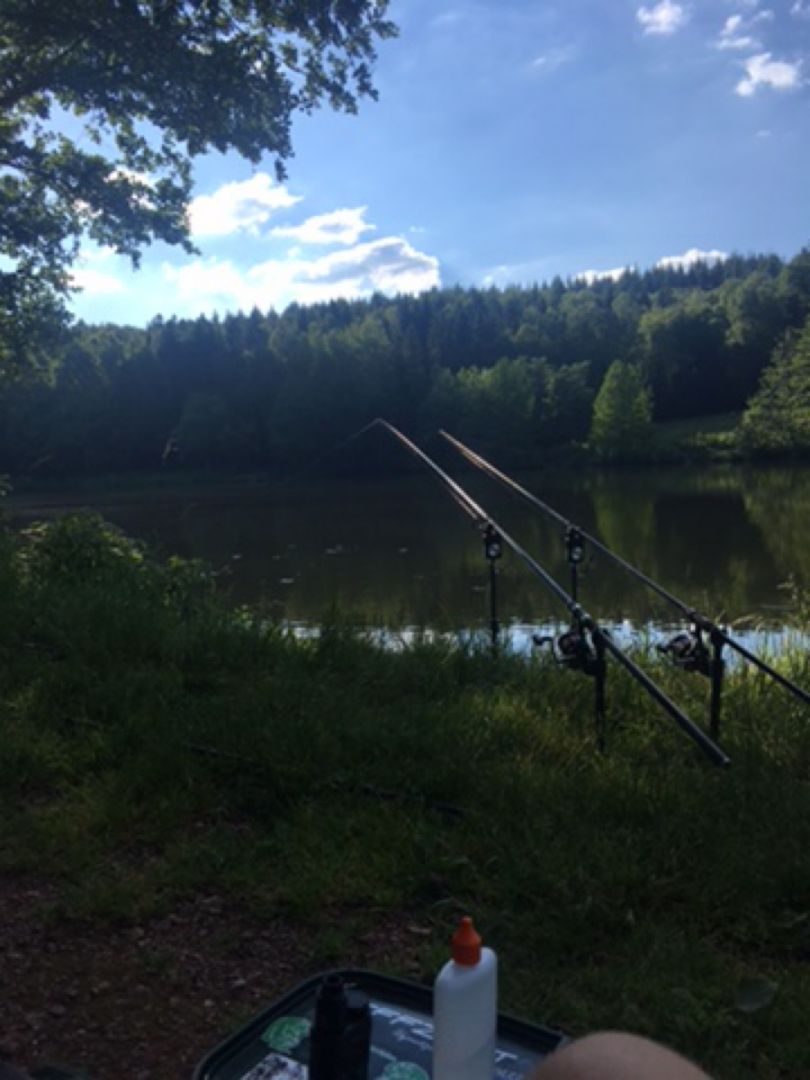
(519, 368)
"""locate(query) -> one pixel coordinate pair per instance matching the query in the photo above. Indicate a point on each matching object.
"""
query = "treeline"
(517, 367)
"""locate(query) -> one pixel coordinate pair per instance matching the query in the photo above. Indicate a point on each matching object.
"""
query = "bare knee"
(614, 1055)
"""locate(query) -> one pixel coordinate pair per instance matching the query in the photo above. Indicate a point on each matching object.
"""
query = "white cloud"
(664, 18)
(238, 206)
(389, 265)
(743, 41)
(95, 282)
(446, 18)
(553, 59)
(590, 276)
(761, 70)
(92, 281)
(801, 9)
(733, 37)
(507, 274)
(206, 285)
(141, 178)
(669, 262)
(689, 258)
(498, 276)
(95, 253)
(336, 227)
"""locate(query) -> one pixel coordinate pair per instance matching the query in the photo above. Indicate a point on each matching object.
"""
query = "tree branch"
(38, 82)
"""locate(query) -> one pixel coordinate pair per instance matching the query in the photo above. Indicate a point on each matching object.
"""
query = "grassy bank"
(704, 438)
(712, 439)
(156, 743)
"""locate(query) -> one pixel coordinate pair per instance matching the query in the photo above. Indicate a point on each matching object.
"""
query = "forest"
(532, 370)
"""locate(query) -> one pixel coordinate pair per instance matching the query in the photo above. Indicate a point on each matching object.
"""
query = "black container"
(340, 1039)
(277, 1044)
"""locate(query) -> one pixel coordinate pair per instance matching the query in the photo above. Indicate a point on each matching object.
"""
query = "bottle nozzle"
(466, 945)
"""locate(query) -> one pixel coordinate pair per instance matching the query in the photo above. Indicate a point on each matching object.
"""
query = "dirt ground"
(148, 1001)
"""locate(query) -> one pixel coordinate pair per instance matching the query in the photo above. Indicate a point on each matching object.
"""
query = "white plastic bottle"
(465, 1010)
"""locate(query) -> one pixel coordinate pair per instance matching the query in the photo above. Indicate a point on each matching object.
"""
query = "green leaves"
(155, 84)
(778, 416)
(622, 414)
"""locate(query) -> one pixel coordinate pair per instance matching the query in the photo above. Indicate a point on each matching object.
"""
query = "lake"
(398, 552)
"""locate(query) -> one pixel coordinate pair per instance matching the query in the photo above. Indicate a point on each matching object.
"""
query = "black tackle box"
(275, 1044)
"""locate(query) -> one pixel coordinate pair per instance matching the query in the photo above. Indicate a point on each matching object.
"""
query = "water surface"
(399, 552)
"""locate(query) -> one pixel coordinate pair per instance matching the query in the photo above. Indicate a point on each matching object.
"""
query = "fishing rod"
(481, 518)
(577, 652)
(688, 650)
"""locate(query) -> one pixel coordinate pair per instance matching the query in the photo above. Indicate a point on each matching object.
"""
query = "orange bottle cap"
(466, 943)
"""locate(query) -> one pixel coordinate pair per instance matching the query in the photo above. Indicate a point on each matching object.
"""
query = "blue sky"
(513, 140)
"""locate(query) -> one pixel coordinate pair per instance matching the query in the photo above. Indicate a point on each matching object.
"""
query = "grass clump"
(157, 743)
(703, 438)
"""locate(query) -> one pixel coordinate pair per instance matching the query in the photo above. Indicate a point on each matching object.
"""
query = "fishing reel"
(493, 545)
(574, 545)
(575, 551)
(571, 649)
(687, 650)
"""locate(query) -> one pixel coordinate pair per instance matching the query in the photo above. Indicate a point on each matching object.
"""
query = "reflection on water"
(520, 638)
(401, 554)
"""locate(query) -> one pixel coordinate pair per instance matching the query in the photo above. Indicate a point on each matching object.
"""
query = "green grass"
(156, 744)
(711, 438)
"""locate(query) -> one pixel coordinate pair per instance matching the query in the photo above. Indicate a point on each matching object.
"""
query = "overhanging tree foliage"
(151, 84)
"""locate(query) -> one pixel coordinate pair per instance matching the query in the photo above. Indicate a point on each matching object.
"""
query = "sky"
(513, 140)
